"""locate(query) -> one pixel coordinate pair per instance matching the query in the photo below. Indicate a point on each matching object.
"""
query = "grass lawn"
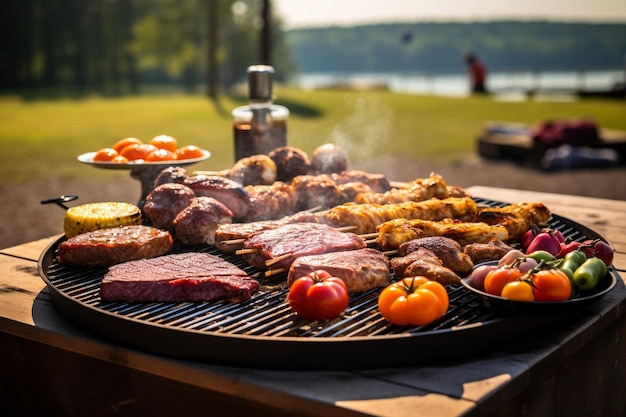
(41, 137)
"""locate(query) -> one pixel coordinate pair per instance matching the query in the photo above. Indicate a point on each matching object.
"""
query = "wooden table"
(51, 367)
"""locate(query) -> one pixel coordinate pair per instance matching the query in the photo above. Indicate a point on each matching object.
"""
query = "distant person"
(477, 74)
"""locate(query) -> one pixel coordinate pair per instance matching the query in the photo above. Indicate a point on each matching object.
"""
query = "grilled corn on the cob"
(94, 216)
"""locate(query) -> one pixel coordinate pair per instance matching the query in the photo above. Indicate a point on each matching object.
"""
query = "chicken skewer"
(367, 217)
(505, 223)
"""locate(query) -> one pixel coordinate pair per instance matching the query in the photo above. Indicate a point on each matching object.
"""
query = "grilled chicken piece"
(241, 231)
(456, 191)
(418, 190)
(269, 202)
(367, 217)
(291, 241)
(393, 233)
(227, 192)
(517, 218)
(449, 251)
(165, 202)
(423, 262)
(196, 223)
(490, 251)
(361, 269)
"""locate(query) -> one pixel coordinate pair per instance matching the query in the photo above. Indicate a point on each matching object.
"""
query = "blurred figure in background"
(477, 73)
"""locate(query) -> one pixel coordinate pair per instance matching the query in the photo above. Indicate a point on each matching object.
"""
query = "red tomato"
(119, 159)
(164, 142)
(161, 155)
(318, 296)
(137, 152)
(551, 285)
(413, 301)
(105, 155)
(189, 152)
(497, 279)
(122, 143)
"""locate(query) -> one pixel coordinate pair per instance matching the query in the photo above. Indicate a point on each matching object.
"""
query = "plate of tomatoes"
(161, 150)
(537, 288)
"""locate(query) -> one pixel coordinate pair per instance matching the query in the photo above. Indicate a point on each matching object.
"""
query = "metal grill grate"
(266, 317)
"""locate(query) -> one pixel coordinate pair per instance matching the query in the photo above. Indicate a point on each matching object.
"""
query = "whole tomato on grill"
(413, 301)
(318, 296)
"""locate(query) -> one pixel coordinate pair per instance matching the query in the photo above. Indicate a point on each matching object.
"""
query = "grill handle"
(60, 200)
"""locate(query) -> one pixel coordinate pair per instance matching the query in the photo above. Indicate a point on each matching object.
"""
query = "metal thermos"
(260, 126)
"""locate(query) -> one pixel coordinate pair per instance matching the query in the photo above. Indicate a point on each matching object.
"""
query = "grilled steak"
(190, 276)
(241, 231)
(298, 239)
(361, 269)
(115, 245)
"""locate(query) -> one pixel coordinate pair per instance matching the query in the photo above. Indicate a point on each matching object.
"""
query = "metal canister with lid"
(260, 126)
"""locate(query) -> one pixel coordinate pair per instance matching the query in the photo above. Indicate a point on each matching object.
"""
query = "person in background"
(477, 73)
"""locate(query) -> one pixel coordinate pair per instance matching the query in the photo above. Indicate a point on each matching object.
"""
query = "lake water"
(457, 84)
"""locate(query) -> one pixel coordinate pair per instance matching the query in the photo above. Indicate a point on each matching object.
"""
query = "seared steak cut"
(115, 245)
(298, 239)
(361, 269)
(190, 276)
(241, 231)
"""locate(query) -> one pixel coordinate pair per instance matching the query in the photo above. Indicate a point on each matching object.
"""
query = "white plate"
(87, 158)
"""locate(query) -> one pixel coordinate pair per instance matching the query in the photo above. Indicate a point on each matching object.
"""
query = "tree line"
(439, 47)
(116, 46)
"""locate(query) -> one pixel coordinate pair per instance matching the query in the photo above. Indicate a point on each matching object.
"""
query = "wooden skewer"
(345, 228)
(275, 271)
(312, 209)
(370, 241)
(369, 235)
(391, 252)
(233, 241)
(277, 259)
(245, 251)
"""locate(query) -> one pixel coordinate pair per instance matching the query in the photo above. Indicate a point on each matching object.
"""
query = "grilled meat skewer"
(367, 217)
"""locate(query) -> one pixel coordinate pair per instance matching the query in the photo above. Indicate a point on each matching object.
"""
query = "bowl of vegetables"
(541, 283)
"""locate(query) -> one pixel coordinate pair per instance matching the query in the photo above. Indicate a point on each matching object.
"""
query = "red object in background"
(572, 132)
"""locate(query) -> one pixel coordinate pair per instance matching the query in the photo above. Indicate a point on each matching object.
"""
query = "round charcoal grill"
(263, 332)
